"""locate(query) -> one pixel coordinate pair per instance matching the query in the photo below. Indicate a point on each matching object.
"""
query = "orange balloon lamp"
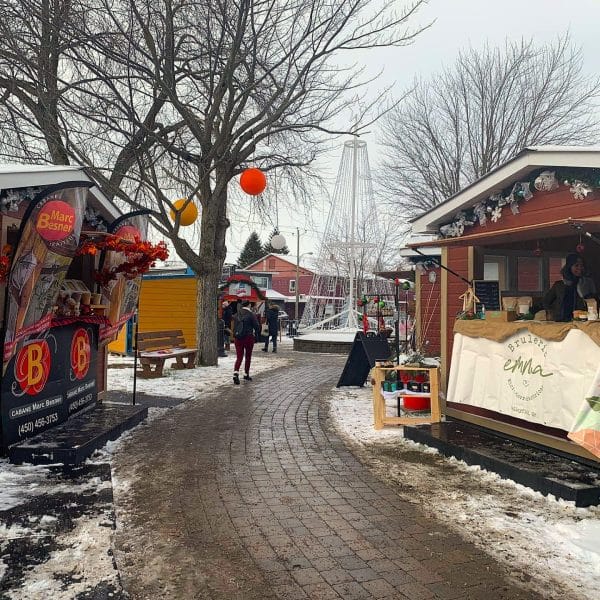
(253, 181)
(189, 213)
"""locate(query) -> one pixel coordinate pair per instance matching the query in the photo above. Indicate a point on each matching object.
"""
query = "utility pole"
(297, 274)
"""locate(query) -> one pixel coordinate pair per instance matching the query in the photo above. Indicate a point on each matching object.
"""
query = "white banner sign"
(239, 288)
(525, 376)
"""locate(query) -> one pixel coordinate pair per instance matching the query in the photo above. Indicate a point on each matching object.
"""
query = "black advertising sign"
(363, 354)
(51, 377)
(488, 293)
(48, 240)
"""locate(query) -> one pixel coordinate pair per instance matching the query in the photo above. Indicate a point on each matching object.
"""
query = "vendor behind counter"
(569, 293)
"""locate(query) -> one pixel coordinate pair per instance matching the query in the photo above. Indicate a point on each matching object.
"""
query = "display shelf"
(379, 412)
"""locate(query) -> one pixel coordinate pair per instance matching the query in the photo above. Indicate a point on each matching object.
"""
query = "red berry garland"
(5, 262)
(141, 256)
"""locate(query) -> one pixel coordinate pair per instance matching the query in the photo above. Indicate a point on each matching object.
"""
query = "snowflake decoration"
(479, 212)
(579, 190)
(496, 214)
(452, 229)
(498, 199)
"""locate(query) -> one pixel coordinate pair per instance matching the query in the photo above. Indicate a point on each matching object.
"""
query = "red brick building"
(282, 274)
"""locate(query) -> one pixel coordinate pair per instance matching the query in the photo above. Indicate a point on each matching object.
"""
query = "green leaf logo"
(594, 403)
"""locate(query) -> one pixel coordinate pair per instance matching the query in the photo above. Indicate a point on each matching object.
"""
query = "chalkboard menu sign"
(488, 292)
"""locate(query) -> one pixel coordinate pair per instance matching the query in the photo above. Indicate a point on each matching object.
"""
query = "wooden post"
(378, 400)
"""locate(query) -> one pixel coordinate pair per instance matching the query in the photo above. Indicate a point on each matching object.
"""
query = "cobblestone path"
(250, 495)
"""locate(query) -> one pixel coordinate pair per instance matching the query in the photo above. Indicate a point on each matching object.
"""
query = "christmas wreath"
(141, 256)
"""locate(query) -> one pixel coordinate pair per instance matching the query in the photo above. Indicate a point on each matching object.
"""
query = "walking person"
(246, 331)
(227, 315)
(272, 318)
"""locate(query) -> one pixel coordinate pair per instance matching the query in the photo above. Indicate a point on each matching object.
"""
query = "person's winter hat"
(245, 302)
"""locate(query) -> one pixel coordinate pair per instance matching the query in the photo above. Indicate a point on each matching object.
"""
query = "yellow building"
(167, 301)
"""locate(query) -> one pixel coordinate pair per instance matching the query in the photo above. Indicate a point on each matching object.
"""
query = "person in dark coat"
(227, 315)
(272, 318)
(246, 329)
(569, 294)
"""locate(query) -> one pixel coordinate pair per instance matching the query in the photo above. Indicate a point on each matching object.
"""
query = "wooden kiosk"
(532, 380)
(55, 320)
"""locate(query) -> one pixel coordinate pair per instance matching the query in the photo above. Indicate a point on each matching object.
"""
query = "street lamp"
(298, 257)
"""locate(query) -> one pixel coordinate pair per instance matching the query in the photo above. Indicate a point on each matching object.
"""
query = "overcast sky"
(458, 24)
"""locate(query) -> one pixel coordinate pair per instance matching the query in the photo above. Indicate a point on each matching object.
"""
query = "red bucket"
(417, 402)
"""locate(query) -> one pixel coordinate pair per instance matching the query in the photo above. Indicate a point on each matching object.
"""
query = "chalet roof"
(279, 256)
(14, 176)
(517, 168)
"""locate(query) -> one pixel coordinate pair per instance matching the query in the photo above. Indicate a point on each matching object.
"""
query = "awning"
(561, 228)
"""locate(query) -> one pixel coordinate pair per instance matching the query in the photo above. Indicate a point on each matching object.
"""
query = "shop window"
(331, 285)
(529, 274)
(260, 281)
(495, 269)
(292, 286)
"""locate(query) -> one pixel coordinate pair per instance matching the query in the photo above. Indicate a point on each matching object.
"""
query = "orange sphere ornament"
(253, 181)
(189, 213)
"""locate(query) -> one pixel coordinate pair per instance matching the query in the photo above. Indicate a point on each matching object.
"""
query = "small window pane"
(491, 271)
(529, 274)
(494, 269)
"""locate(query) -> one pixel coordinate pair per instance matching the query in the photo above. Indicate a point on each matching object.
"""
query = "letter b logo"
(32, 366)
(80, 353)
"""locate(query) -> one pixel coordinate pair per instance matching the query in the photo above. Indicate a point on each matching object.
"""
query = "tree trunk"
(209, 267)
(206, 316)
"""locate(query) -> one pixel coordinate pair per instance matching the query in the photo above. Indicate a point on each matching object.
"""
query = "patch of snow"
(83, 559)
(511, 522)
(188, 383)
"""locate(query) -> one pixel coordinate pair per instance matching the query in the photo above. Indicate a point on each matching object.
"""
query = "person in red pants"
(246, 331)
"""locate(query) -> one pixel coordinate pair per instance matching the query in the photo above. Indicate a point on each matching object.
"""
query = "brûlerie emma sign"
(525, 374)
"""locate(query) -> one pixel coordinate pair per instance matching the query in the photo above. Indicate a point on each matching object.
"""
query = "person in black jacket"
(246, 329)
(272, 318)
(569, 294)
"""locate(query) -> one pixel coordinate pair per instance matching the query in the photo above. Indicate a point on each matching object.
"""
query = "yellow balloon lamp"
(189, 214)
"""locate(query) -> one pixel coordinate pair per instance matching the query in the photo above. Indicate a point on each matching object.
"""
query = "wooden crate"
(381, 419)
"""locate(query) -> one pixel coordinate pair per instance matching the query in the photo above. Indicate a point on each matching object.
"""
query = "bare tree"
(160, 96)
(456, 127)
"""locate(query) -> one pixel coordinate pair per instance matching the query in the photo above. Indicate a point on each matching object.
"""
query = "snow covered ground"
(551, 539)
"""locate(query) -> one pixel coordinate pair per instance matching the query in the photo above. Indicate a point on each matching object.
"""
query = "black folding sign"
(365, 350)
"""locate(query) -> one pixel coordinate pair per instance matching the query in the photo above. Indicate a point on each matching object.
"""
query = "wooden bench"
(155, 347)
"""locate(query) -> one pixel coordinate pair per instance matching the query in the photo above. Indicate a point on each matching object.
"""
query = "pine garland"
(581, 181)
